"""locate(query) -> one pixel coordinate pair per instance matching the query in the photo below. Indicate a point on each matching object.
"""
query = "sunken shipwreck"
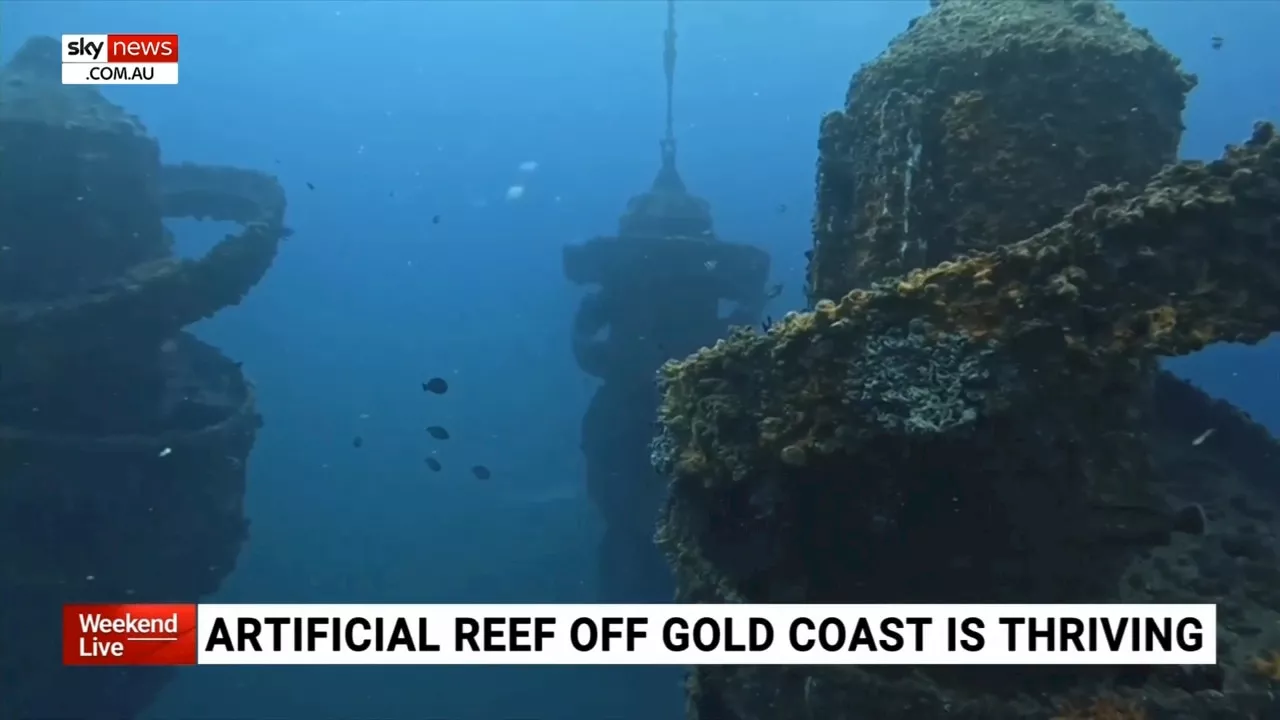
(972, 409)
(123, 439)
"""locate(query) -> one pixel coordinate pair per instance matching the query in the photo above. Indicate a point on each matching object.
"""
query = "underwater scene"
(647, 301)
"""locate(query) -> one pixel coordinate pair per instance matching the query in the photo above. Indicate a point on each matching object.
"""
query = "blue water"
(399, 111)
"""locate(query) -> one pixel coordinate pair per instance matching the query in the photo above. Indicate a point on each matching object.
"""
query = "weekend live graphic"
(206, 634)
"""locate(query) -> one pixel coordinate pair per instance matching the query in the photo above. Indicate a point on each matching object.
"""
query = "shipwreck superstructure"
(972, 411)
(123, 438)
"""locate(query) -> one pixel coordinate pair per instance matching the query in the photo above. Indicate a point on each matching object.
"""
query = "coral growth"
(982, 124)
(992, 428)
(1268, 666)
(981, 424)
(1190, 260)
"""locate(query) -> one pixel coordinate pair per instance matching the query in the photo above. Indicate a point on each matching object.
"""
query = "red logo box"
(136, 48)
(129, 634)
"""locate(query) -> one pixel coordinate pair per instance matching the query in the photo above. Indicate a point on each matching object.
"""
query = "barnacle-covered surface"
(160, 297)
(994, 428)
(980, 125)
(979, 431)
(90, 517)
(123, 440)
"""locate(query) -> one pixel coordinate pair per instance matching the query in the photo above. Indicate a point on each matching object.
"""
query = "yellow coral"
(1164, 320)
(1268, 666)
(691, 461)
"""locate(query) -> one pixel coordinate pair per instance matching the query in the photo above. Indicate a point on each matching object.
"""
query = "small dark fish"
(766, 323)
(782, 207)
(481, 472)
(774, 291)
(358, 442)
(434, 464)
(391, 193)
(436, 385)
(1216, 42)
(310, 186)
(1143, 524)
(277, 161)
(435, 219)
(438, 432)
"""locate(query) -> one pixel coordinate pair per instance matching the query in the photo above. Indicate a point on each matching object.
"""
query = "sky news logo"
(120, 59)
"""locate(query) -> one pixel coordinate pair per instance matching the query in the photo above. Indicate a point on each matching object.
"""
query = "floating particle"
(438, 432)
(436, 385)
(310, 186)
(481, 472)
(166, 452)
(434, 464)
(357, 442)
(528, 166)
(710, 265)
(515, 192)
(1204, 436)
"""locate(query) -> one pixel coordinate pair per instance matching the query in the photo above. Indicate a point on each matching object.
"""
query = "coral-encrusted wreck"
(123, 439)
(983, 124)
(994, 428)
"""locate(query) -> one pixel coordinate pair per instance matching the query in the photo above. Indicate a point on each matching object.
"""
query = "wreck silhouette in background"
(660, 286)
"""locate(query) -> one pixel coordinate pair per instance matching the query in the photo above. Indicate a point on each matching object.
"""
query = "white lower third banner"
(706, 634)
